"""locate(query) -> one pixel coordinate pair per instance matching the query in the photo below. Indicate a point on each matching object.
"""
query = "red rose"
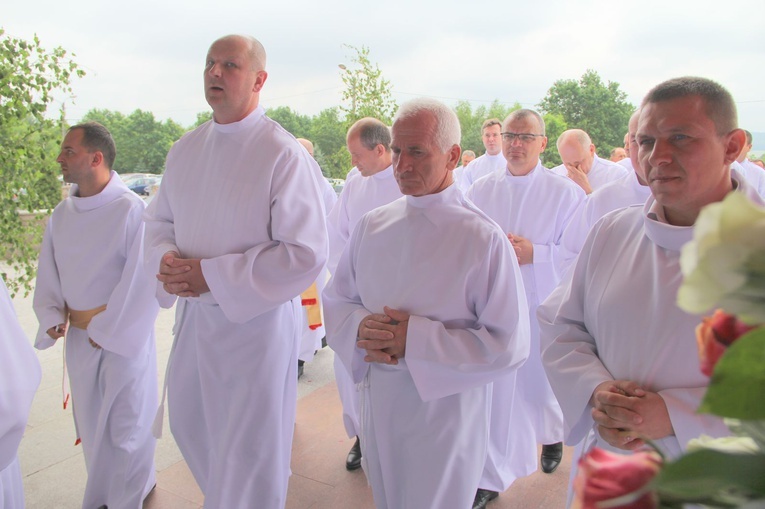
(714, 335)
(604, 475)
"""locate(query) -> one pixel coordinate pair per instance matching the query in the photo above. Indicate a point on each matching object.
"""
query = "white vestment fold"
(425, 420)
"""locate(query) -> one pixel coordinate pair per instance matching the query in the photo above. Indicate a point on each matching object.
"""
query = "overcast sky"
(149, 55)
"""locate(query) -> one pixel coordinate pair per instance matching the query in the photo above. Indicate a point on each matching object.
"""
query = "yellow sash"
(310, 300)
(81, 319)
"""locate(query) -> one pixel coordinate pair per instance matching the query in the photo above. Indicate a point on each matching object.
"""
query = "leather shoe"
(353, 461)
(300, 368)
(483, 497)
(551, 456)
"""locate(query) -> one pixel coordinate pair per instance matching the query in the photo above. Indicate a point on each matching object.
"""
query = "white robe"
(480, 167)
(19, 377)
(241, 197)
(753, 174)
(615, 317)
(601, 173)
(92, 254)
(616, 195)
(537, 206)
(425, 420)
(359, 196)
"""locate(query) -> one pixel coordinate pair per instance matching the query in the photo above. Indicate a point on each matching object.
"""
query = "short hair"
(490, 122)
(581, 137)
(468, 153)
(255, 51)
(371, 132)
(97, 138)
(447, 132)
(720, 107)
(523, 114)
(748, 137)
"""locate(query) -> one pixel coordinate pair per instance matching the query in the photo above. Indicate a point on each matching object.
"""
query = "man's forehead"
(527, 123)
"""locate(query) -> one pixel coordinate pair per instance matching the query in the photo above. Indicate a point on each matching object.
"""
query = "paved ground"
(54, 471)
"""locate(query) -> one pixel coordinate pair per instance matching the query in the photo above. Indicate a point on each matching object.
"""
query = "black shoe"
(300, 368)
(483, 497)
(324, 342)
(551, 456)
(353, 461)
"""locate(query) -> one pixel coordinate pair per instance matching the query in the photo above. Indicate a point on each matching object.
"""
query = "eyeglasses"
(524, 137)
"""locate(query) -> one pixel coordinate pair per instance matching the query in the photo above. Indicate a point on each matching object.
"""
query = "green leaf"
(737, 388)
(713, 477)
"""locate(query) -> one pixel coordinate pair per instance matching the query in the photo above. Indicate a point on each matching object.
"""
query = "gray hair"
(447, 132)
(720, 107)
(371, 132)
(581, 137)
(523, 114)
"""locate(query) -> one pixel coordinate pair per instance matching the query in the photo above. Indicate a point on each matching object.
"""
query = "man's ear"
(734, 144)
(260, 80)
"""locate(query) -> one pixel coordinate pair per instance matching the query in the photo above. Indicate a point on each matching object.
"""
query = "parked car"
(141, 185)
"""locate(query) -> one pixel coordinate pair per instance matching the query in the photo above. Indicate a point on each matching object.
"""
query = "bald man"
(582, 165)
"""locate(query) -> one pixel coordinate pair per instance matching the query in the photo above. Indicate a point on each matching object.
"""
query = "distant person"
(19, 378)
(93, 288)
(423, 321)
(533, 207)
(491, 161)
(631, 189)
(368, 142)
(313, 329)
(581, 164)
(619, 353)
(235, 236)
(467, 157)
(617, 155)
(751, 172)
(758, 162)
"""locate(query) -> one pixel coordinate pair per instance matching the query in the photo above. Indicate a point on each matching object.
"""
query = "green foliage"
(142, 142)
(600, 110)
(367, 93)
(554, 127)
(202, 117)
(30, 78)
(297, 124)
(471, 121)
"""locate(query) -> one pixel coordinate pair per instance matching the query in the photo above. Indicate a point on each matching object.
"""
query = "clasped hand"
(182, 276)
(626, 414)
(383, 336)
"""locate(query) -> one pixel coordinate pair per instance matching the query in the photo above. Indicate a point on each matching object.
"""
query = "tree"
(367, 93)
(600, 110)
(31, 77)
(328, 136)
(298, 125)
(554, 127)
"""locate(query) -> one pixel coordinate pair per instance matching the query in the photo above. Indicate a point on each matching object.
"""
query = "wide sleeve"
(569, 352)
(343, 312)
(128, 321)
(19, 377)
(267, 275)
(159, 234)
(48, 301)
(682, 405)
(446, 360)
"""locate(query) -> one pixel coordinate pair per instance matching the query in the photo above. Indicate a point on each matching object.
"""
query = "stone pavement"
(54, 470)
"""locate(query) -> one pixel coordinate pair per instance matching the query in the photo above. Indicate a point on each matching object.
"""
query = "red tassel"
(66, 401)
(77, 442)
(314, 326)
(309, 302)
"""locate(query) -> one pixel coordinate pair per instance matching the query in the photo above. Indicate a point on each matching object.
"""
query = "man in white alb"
(751, 172)
(582, 165)
(368, 142)
(533, 207)
(619, 353)
(19, 377)
(236, 236)
(92, 286)
(491, 160)
(425, 310)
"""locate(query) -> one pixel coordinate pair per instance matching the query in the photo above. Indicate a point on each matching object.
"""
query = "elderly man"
(236, 237)
(19, 378)
(535, 231)
(615, 345)
(631, 189)
(582, 165)
(491, 160)
(617, 154)
(425, 323)
(368, 142)
(92, 287)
